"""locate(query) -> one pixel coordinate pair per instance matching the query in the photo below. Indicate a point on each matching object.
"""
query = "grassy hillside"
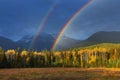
(102, 45)
(100, 37)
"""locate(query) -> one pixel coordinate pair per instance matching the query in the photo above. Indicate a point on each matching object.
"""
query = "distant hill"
(66, 43)
(43, 42)
(7, 43)
(101, 37)
(102, 45)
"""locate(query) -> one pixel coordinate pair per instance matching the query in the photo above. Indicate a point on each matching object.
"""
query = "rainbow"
(68, 23)
(42, 24)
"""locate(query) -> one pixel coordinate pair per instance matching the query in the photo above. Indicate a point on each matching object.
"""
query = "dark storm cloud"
(22, 17)
(101, 15)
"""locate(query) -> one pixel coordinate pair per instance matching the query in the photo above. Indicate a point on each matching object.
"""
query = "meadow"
(59, 74)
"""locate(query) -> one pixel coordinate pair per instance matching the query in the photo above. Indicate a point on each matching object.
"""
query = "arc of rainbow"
(68, 23)
(42, 24)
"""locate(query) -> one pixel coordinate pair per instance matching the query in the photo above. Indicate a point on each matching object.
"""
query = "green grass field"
(59, 74)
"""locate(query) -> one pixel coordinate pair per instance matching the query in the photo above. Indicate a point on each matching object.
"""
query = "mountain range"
(45, 41)
(101, 37)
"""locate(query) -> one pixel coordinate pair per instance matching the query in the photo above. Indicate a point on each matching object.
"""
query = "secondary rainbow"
(42, 24)
(68, 23)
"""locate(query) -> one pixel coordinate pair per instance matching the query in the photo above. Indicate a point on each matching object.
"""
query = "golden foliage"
(92, 59)
(84, 57)
(10, 52)
(57, 53)
(24, 53)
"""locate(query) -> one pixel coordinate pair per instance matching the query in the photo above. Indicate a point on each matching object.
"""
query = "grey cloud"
(101, 15)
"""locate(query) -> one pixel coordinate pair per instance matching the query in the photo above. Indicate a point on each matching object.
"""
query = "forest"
(95, 56)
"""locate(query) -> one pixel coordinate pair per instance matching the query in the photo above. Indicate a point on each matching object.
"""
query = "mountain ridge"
(101, 37)
(43, 42)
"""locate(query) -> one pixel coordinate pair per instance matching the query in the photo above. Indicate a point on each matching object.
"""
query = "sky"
(23, 17)
(101, 15)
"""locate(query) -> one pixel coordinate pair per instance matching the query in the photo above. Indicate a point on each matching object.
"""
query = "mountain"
(43, 42)
(24, 42)
(101, 37)
(7, 43)
(66, 43)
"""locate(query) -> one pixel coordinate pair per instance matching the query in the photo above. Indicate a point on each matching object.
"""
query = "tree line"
(82, 58)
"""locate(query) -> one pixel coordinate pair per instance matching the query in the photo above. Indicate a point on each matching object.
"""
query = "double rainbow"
(68, 23)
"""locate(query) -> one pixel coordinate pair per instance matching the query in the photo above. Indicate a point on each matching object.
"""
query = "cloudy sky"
(101, 15)
(23, 17)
